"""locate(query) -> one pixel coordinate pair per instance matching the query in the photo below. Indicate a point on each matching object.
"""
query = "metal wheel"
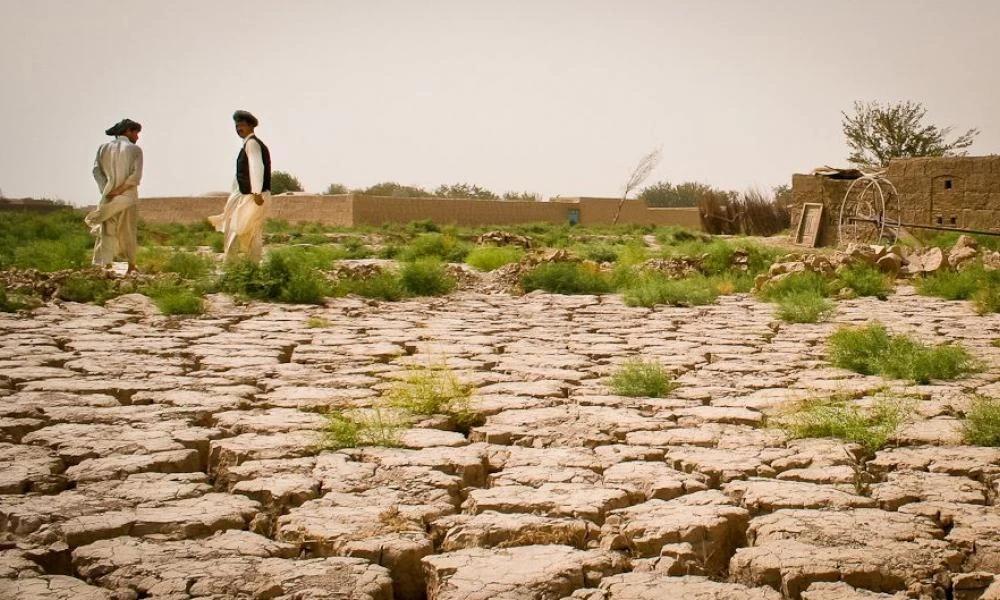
(869, 212)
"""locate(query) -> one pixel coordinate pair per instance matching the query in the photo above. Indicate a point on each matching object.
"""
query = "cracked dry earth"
(152, 457)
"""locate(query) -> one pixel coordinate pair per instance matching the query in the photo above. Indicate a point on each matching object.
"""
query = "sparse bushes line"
(872, 350)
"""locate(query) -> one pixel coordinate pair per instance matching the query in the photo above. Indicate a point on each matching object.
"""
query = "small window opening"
(953, 220)
(939, 220)
(947, 184)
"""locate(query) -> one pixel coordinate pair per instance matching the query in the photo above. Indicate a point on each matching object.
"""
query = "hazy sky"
(554, 97)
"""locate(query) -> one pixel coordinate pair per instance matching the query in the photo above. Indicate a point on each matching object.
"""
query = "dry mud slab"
(176, 458)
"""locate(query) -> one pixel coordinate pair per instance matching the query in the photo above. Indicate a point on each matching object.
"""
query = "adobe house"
(961, 192)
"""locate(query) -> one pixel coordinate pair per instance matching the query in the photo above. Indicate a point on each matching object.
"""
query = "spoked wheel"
(869, 212)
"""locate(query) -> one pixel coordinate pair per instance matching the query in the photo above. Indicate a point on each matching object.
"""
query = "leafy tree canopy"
(464, 190)
(336, 188)
(664, 194)
(282, 182)
(391, 188)
(876, 133)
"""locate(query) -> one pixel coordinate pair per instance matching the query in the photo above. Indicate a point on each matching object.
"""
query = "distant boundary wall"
(356, 209)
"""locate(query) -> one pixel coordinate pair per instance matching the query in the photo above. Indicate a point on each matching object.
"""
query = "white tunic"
(242, 220)
(115, 222)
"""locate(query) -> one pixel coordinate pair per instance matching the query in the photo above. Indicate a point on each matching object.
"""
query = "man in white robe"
(117, 170)
(242, 220)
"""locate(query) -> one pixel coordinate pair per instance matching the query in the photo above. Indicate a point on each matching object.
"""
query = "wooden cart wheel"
(869, 212)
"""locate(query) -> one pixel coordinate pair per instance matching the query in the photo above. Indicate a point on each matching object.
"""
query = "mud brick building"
(961, 192)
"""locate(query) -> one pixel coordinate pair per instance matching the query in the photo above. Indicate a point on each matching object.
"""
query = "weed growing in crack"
(317, 322)
(872, 350)
(804, 307)
(839, 417)
(434, 390)
(362, 427)
(639, 378)
(982, 422)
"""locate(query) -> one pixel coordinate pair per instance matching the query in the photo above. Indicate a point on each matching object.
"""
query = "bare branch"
(642, 170)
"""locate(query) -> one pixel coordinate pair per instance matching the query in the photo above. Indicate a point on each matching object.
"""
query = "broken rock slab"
(499, 530)
(708, 521)
(233, 564)
(654, 586)
(870, 549)
(544, 572)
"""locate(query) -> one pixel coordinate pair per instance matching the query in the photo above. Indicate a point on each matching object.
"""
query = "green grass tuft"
(489, 258)
(872, 350)
(426, 277)
(982, 422)
(804, 307)
(653, 289)
(360, 428)
(434, 390)
(175, 298)
(841, 418)
(638, 378)
(80, 287)
(864, 280)
(565, 278)
(795, 284)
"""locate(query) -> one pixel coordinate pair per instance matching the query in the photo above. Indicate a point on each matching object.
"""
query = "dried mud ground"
(152, 457)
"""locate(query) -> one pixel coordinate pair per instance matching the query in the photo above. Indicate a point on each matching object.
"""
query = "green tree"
(523, 196)
(393, 189)
(664, 194)
(464, 190)
(282, 182)
(335, 189)
(876, 133)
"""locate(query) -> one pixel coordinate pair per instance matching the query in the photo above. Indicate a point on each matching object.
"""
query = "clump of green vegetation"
(804, 307)
(49, 241)
(872, 350)
(864, 280)
(434, 390)
(174, 298)
(287, 275)
(14, 301)
(489, 258)
(359, 428)
(83, 287)
(638, 378)
(975, 283)
(987, 300)
(426, 277)
(652, 289)
(317, 322)
(982, 422)
(443, 246)
(180, 235)
(801, 297)
(795, 284)
(189, 265)
(946, 241)
(384, 286)
(841, 418)
(565, 278)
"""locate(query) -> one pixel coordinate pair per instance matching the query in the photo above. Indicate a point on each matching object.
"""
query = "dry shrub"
(751, 213)
(718, 213)
(761, 214)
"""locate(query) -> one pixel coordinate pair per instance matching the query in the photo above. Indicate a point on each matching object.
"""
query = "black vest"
(243, 167)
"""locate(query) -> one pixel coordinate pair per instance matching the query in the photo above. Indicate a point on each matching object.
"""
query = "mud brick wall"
(961, 192)
(819, 190)
(330, 210)
(356, 209)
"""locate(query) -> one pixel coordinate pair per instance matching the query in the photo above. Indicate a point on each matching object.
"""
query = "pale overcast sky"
(554, 97)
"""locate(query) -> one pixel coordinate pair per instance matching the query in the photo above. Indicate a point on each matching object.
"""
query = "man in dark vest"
(242, 221)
